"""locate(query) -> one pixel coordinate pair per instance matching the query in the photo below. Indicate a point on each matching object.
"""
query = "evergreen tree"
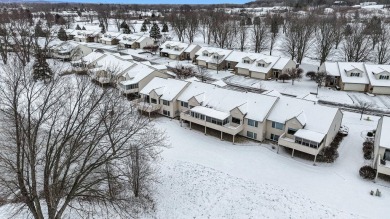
(38, 30)
(155, 32)
(62, 35)
(84, 28)
(165, 28)
(41, 69)
(140, 17)
(125, 28)
(144, 28)
(78, 27)
(249, 21)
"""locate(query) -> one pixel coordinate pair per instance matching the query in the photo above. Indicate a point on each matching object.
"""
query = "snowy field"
(204, 177)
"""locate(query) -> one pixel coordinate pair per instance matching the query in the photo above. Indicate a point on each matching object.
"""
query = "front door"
(276, 74)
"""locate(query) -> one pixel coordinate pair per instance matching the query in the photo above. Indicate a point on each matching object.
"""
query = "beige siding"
(381, 90)
(171, 56)
(269, 130)
(293, 124)
(334, 128)
(243, 71)
(259, 130)
(258, 75)
(202, 63)
(354, 87)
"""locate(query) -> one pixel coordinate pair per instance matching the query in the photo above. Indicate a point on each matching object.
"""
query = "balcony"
(290, 143)
(147, 107)
(383, 166)
(230, 128)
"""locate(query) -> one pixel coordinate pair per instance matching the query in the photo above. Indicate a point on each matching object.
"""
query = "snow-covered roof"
(271, 62)
(109, 36)
(66, 46)
(332, 68)
(210, 112)
(142, 38)
(345, 67)
(219, 83)
(222, 53)
(317, 118)
(112, 64)
(167, 89)
(374, 70)
(91, 57)
(172, 47)
(85, 33)
(273, 93)
(255, 106)
(123, 57)
(136, 73)
(384, 140)
(190, 48)
(310, 135)
(128, 38)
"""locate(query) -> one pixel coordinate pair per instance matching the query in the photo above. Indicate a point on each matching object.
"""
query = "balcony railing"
(229, 128)
(290, 143)
(147, 107)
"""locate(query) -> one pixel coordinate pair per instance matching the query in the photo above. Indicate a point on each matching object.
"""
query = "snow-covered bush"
(367, 172)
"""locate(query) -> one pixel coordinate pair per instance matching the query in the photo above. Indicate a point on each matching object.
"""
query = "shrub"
(368, 148)
(370, 134)
(311, 75)
(330, 154)
(367, 172)
(368, 155)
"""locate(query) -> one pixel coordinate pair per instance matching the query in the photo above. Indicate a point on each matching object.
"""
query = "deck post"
(292, 154)
(190, 125)
(376, 175)
(233, 138)
(278, 148)
(315, 158)
(181, 122)
(221, 136)
(149, 114)
(205, 130)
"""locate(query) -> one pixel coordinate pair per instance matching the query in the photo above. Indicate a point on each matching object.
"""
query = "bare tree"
(183, 72)
(203, 73)
(295, 74)
(383, 46)
(363, 107)
(204, 22)
(242, 37)
(274, 21)
(259, 35)
(67, 144)
(357, 45)
(192, 19)
(325, 38)
(179, 25)
(298, 37)
(284, 76)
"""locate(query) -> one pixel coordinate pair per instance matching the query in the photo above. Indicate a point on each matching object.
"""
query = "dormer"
(247, 60)
(216, 56)
(205, 53)
(354, 72)
(124, 38)
(168, 46)
(176, 48)
(381, 74)
(262, 63)
(384, 77)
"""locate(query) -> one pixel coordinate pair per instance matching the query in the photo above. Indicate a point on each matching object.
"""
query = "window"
(184, 104)
(386, 156)
(177, 49)
(260, 64)
(131, 86)
(253, 123)
(383, 77)
(153, 101)
(277, 125)
(274, 137)
(236, 120)
(251, 135)
(197, 115)
(291, 131)
(355, 74)
(216, 57)
(165, 102)
(166, 113)
(247, 61)
(205, 54)
(168, 46)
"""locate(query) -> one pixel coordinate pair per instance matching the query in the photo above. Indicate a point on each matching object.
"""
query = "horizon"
(144, 2)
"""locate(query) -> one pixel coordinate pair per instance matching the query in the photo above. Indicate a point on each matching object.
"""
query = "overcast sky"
(156, 1)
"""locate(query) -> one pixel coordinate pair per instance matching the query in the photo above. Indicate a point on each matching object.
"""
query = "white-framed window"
(184, 104)
(153, 100)
(383, 77)
(165, 102)
(291, 131)
(216, 56)
(236, 120)
(277, 125)
(247, 61)
(274, 137)
(355, 74)
(260, 64)
(131, 86)
(306, 142)
(166, 113)
(253, 123)
(205, 54)
(251, 134)
(168, 46)
(198, 115)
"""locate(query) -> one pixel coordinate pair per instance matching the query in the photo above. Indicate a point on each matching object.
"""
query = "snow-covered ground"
(204, 177)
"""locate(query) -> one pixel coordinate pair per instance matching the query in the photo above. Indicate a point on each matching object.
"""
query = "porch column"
(376, 175)
(233, 138)
(221, 136)
(190, 125)
(149, 114)
(205, 130)
(315, 158)
(292, 154)
(181, 123)
(278, 148)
